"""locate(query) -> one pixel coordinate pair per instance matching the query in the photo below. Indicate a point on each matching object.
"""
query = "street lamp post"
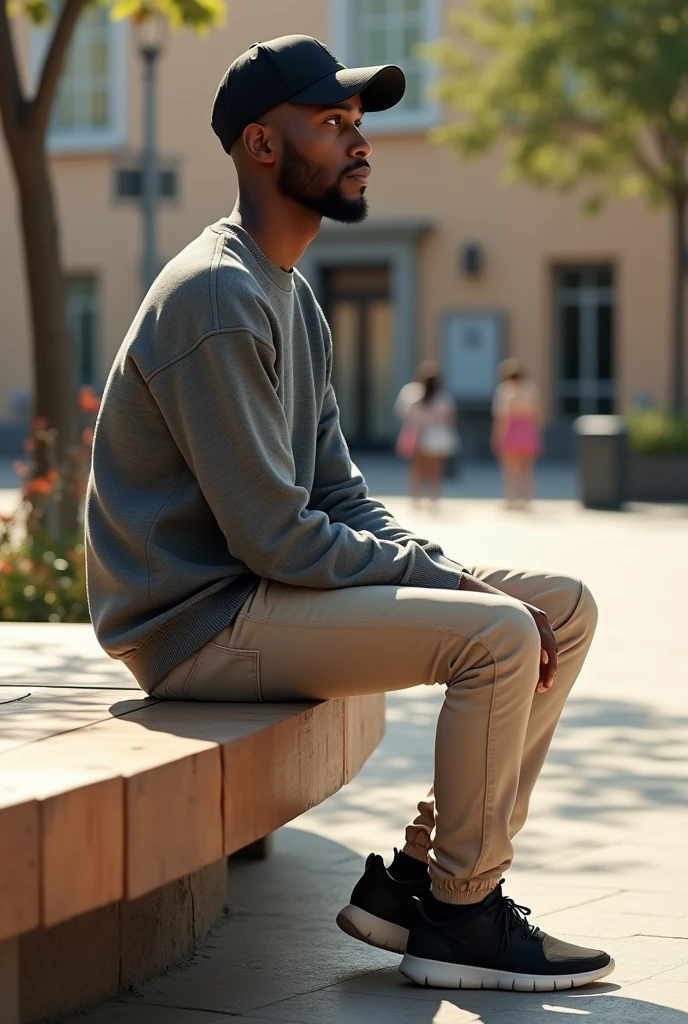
(150, 39)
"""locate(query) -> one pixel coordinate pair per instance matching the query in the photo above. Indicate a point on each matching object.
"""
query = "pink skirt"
(522, 439)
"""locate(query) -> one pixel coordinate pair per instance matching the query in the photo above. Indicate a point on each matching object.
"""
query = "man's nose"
(360, 147)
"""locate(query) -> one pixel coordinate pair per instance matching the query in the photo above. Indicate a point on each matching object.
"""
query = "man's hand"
(548, 643)
(548, 653)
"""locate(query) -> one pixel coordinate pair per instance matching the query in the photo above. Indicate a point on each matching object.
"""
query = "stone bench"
(117, 812)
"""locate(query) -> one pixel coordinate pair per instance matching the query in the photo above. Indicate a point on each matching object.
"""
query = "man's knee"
(521, 634)
(582, 605)
(587, 609)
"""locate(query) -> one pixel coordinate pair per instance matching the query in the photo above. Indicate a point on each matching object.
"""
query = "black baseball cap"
(298, 69)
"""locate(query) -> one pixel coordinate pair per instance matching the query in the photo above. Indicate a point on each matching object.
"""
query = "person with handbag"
(429, 437)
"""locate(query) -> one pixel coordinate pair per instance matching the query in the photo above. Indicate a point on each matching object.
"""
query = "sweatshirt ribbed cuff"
(426, 572)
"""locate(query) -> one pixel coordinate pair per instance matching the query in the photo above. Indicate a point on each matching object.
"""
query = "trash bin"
(602, 461)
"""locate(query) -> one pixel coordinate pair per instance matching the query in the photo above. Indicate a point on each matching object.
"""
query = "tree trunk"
(25, 125)
(54, 386)
(678, 355)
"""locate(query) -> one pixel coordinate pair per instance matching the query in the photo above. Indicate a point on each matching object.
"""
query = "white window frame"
(94, 140)
(388, 122)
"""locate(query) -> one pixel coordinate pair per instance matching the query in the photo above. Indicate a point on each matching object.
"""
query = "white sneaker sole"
(374, 930)
(437, 974)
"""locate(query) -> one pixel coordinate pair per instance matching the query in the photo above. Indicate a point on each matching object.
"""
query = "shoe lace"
(512, 916)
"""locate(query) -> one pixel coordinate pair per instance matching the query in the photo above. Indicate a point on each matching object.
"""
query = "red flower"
(88, 400)
(40, 486)
(40, 423)
(87, 436)
(20, 468)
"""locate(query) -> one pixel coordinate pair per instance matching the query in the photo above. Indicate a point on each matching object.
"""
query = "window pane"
(605, 347)
(65, 110)
(87, 340)
(376, 46)
(570, 349)
(605, 406)
(81, 57)
(571, 406)
(82, 315)
(99, 109)
(411, 37)
(380, 330)
(604, 277)
(345, 324)
(413, 97)
(83, 97)
(68, 66)
(570, 278)
(388, 31)
(99, 58)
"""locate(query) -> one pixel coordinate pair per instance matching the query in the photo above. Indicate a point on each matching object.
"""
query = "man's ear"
(259, 142)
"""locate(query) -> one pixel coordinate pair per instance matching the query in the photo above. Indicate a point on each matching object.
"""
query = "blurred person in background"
(516, 432)
(428, 437)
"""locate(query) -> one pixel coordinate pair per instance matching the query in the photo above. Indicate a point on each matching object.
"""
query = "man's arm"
(220, 403)
(340, 491)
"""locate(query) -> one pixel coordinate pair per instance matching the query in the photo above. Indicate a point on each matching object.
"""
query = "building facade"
(451, 263)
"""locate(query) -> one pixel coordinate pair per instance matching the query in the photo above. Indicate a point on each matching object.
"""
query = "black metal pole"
(149, 183)
(678, 361)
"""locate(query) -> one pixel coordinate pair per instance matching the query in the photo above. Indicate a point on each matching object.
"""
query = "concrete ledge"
(658, 478)
(54, 971)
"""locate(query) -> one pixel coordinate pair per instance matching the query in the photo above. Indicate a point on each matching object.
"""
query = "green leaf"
(577, 88)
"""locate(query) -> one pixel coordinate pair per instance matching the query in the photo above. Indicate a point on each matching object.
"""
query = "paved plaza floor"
(603, 859)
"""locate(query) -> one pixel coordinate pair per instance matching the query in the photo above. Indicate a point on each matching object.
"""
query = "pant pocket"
(223, 674)
(172, 686)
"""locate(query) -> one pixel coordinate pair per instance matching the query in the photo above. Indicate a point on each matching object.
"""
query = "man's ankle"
(407, 869)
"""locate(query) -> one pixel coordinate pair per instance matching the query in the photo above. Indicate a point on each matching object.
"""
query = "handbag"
(440, 439)
(407, 441)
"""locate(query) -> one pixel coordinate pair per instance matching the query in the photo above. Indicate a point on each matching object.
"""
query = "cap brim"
(380, 87)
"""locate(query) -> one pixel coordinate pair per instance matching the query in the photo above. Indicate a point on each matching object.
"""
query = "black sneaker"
(381, 908)
(494, 946)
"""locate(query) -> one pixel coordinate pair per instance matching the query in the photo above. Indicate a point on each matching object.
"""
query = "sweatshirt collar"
(284, 279)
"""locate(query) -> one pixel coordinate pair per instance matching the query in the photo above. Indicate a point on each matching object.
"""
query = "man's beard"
(306, 183)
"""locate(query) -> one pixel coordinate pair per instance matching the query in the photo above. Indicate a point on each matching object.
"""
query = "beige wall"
(523, 232)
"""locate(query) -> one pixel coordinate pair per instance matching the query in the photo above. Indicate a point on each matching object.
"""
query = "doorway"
(360, 312)
(585, 308)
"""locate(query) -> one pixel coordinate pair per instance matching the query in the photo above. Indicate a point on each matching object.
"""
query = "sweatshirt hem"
(187, 633)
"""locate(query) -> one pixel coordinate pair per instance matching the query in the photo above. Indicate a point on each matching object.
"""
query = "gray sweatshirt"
(218, 460)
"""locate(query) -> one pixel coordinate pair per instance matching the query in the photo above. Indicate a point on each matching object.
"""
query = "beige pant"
(493, 731)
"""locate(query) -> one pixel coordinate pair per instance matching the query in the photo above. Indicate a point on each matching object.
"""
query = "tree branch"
(41, 106)
(12, 102)
(648, 168)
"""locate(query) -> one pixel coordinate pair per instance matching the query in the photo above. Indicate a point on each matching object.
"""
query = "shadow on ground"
(278, 956)
(609, 759)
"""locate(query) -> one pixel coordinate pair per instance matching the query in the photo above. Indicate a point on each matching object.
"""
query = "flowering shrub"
(42, 572)
(652, 432)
